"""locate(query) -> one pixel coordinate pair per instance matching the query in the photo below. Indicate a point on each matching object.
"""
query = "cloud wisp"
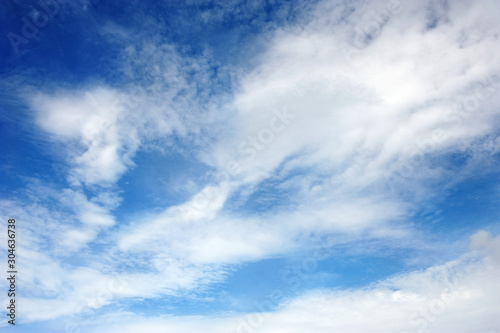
(348, 121)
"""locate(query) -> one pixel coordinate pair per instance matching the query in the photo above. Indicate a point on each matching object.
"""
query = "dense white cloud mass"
(349, 110)
(91, 119)
(376, 105)
(356, 117)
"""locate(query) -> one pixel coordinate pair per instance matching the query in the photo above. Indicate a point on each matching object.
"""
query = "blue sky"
(251, 166)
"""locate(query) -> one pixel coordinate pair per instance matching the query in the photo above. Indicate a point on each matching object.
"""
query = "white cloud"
(91, 120)
(352, 118)
(459, 296)
(483, 242)
(200, 233)
(373, 108)
(345, 124)
(88, 213)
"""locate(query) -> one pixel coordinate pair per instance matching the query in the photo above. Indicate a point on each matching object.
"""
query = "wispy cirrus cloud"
(437, 299)
(343, 125)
